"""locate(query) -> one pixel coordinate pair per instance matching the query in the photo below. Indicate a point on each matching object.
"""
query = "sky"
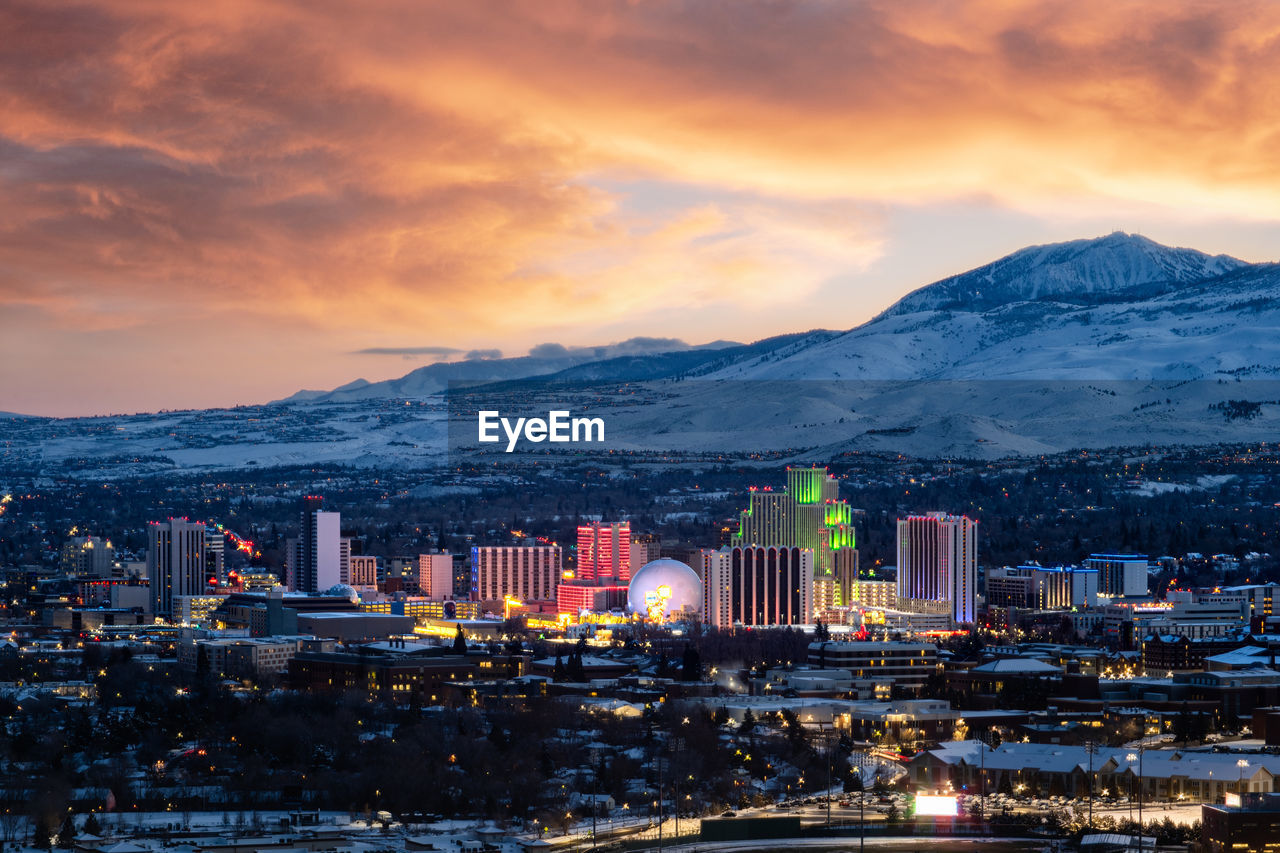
(220, 203)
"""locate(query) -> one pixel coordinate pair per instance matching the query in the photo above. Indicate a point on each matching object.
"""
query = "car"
(728, 814)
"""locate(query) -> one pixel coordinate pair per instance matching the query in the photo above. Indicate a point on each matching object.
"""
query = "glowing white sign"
(935, 806)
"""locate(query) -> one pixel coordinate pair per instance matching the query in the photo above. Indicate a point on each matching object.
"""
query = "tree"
(748, 722)
(577, 673)
(1182, 725)
(92, 826)
(691, 664)
(67, 834)
(40, 838)
(459, 642)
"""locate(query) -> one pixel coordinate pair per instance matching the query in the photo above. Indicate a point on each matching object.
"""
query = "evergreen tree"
(91, 825)
(691, 664)
(67, 834)
(576, 671)
(459, 642)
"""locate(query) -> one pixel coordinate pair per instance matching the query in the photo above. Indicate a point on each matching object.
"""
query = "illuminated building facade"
(389, 677)
(362, 570)
(175, 562)
(665, 589)
(1041, 587)
(604, 552)
(1063, 587)
(526, 572)
(905, 664)
(215, 555)
(938, 565)
(196, 609)
(760, 586)
(874, 595)
(88, 556)
(808, 514)
(573, 599)
(713, 567)
(1120, 575)
(420, 608)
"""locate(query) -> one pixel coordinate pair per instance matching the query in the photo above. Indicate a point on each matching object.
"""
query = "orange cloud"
(452, 169)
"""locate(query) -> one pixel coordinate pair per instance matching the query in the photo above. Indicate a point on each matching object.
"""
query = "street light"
(1131, 758)
(1091, 747)
(1242, 764)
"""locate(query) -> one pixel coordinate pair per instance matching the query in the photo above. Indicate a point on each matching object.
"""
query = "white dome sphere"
(664, 586)
(344, 590)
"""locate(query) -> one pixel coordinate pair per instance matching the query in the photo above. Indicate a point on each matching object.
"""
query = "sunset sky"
(213, 203)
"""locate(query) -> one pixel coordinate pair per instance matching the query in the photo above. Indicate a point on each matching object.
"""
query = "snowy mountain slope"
(1080, 271)
(1206, 327)
(434, 378)
(1100, 343)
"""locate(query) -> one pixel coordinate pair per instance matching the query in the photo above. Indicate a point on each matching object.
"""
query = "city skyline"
(222, 205)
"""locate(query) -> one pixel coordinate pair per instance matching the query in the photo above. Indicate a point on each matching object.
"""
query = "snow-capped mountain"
(587, 364)
(1079, 272)
(1116, 341)
(1120, 307)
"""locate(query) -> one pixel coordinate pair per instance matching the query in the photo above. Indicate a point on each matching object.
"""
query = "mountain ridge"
(1023, 290)
(1075, 271)
(1144, 353)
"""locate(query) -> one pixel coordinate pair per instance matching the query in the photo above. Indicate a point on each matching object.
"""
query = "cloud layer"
(271, 187)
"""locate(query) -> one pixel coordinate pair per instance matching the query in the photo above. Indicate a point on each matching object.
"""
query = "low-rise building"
(1253, 825)
(907, 665)
(386, 675)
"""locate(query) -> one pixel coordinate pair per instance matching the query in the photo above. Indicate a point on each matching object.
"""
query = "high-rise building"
(318, 556)
(645, 548)
(175, 562)
(713, 567)
(938, 565)
(1120, 575)
(1007, 586)
(215, 555)
(435, 576)
(88, 556)
(344, 560)
(873, 595)
(604, 552)
(573, 598)
(1042, 587)
(758, 585)
(807, 514)
(526, 572)
(1063, 587)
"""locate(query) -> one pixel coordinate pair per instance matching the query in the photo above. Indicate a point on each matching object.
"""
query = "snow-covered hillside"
(1077, 272)
(1135, 313)
(1094, 343)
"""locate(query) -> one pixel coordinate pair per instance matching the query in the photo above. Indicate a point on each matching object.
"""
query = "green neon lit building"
(807, 514)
